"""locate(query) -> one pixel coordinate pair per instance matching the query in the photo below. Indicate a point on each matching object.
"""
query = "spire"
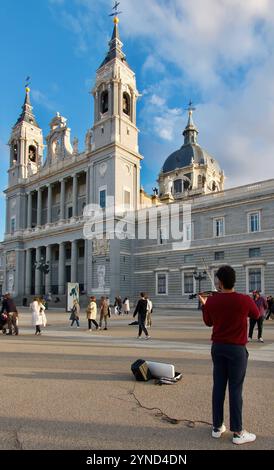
(115, 45)
(27, 114)
(190, 133)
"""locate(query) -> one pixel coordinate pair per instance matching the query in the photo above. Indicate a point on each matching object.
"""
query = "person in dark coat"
(141, 309)
(9, 307)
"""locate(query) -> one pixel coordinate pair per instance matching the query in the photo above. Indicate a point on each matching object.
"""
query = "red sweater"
(228, 313)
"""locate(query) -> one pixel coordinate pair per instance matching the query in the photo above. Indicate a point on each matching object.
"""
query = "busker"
(227, 312)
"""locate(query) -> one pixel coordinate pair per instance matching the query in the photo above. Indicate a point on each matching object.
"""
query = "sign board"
(72, 294)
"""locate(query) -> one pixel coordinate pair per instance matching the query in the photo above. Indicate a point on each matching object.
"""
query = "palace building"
(47, 194)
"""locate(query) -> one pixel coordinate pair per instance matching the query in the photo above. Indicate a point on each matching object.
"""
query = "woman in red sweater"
(227, 312)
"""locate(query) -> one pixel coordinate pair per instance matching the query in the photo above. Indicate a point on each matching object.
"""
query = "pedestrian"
(92, 313)
(149, 313)
(141, 309)
(9, 307)
(270, 304)
(38, 314)
(126, 306)
(104, 312)
(75, 314)
(227, 312)
(262, 307)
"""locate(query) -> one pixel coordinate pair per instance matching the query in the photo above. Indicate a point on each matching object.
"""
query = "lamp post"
(42, 266)
(199, 276)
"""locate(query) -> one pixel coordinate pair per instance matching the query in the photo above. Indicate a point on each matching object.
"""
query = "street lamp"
(199, 276)
(43, 267)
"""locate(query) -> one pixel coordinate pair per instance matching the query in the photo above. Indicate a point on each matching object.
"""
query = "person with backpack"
(75, 314)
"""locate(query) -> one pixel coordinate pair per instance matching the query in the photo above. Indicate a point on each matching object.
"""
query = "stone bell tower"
(26, 145)
(115, 151)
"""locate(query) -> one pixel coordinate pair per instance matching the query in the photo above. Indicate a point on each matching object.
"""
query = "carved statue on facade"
(75, 143)
(88, 140)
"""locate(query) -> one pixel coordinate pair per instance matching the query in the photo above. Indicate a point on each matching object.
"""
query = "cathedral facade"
(47, 201)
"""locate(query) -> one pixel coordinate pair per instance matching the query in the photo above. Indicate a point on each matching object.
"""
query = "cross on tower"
(115, 8)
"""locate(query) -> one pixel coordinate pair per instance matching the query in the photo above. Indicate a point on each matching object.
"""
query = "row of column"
(48, 277)
(49, 202)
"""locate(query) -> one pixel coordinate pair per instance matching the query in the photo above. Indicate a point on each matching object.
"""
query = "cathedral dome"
(190, 168)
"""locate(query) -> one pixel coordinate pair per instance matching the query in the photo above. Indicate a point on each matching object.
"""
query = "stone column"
(29, 210)
(49, 202)
(74, 261)
(39, 206)
(28, 272)
(87, 186)
(74, 196)
(48, 276)
(62, 200)
(38, 274)
(61, 269)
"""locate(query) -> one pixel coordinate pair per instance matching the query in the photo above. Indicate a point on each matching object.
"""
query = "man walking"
(141, 309)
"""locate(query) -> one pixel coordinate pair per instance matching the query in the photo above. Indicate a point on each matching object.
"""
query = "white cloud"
(157, 100)
(40, 98)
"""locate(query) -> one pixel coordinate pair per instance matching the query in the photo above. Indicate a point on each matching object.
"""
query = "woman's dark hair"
(227, 276)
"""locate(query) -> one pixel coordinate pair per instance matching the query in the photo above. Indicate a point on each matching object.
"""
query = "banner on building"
(72, 294)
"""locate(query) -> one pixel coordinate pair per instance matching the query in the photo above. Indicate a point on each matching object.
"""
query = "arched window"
(177, 186)
(32, 153)
(104, 102)
(15, 152)
(126, 103)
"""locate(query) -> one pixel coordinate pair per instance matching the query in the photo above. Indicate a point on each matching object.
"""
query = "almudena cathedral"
(48, 196)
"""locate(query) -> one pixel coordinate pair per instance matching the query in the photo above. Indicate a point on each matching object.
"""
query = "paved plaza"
(73, 389)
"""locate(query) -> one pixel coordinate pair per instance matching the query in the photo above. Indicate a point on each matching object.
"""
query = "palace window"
(102, 199)
(188, 283)
(254, 279)
(254, 252)
(219, 227)
(254, 222)
(219, 255)
(162, 283)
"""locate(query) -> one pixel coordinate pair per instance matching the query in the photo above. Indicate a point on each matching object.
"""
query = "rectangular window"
(255, 279)
(68, 253)
(254, 252)
(12, 225)
(188, 258)
(219, 255)
(161, 284)
(102, 199)
(126, 199)
(219, 227)
(188, 283)
(254, 222)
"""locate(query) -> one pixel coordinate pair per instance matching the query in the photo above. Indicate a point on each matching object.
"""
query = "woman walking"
(38, 314)
(75, 314)
(92, 313)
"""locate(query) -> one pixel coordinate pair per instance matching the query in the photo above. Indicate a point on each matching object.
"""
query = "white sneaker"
(148, 337)
(243, 437)
(138, 337)
(261, 340)
(217, 432)
(249, 340)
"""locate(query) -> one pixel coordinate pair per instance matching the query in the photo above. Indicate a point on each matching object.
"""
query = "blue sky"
(219, 53)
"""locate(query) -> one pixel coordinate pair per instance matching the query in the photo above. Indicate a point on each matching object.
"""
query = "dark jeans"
(75, 320)
(94, 323)
(142, 320)
(38, 329)
(252, 324)
(229, 366)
